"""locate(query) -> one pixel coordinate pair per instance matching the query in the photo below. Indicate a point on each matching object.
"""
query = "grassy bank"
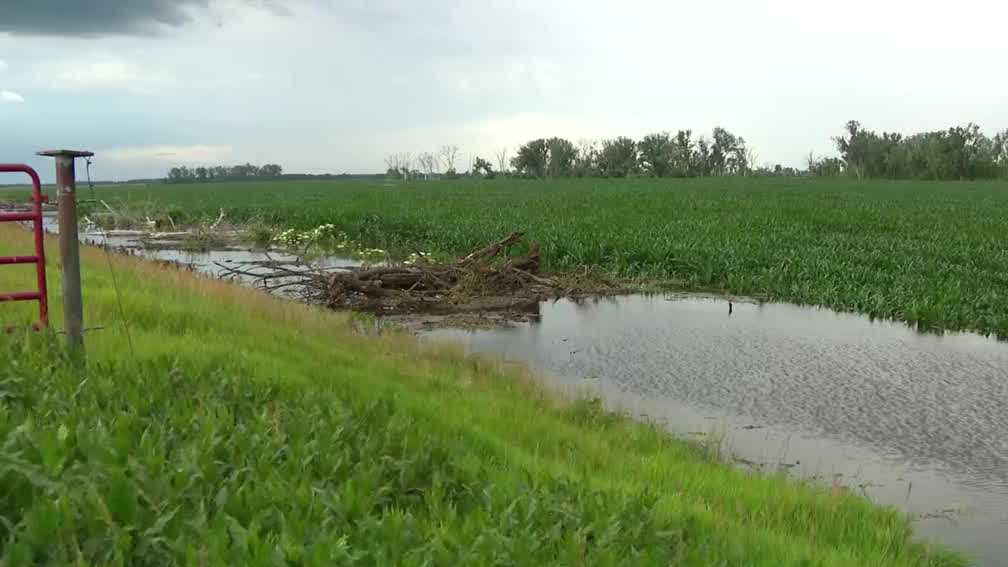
(922, 252)
(231, 428)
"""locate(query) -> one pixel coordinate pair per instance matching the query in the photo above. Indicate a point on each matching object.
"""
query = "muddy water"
(919, 421)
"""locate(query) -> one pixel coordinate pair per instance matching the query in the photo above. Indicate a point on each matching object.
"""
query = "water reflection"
(911, 419)
(240, 264)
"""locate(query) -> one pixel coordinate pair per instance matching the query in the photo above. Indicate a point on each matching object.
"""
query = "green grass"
(237, 429)
(927, 253)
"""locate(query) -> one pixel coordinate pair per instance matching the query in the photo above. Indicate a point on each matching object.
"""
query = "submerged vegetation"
(929, 253)
(215, 425)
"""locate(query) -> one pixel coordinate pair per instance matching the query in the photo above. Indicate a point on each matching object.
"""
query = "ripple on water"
(927, 410)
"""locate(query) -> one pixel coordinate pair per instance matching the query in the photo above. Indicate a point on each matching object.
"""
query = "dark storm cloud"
(94, 17)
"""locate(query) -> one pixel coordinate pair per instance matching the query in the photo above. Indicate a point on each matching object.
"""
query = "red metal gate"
(41, 295)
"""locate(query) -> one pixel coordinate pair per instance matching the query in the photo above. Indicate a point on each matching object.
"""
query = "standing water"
(919, 421)
(216, 262)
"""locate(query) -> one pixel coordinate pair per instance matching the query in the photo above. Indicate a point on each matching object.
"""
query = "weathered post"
(69, 247)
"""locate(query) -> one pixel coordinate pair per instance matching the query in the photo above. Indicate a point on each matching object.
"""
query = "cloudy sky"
(334, 86)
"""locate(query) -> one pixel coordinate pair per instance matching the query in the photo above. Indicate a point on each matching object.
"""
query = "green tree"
(999, 152)
(825, 167)
(931, 156)
(586, 161)
(561, 155)
(853, 148)
(656, 153)
(728, 153)
(703, 160)
(532, 159)
(683, 155)
(482, 167)
(618, 157)
(271, 170)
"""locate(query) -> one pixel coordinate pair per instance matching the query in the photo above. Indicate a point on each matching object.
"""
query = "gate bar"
(41, 294)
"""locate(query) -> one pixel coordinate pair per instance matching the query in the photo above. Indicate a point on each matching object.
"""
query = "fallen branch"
(483, 280)
(218, 221)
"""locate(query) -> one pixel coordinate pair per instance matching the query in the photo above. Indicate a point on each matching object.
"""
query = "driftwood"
(486, 279)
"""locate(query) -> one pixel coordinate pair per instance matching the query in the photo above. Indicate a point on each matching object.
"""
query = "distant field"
(927, 252)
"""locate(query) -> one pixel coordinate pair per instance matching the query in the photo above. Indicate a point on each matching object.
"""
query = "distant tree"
(886, 156)
(482, 167)
(586, 160)
(972, 152)
(392, 166)
(271, 170)
(718, 159)
(774, 170)
(959, 152)
(682, 160)
(502, 161)
(751, 157)
(703, 160)
(825, 167)
(854, 148)
(202, 174)
(427, 162)
(618, 157)
(656, 153)
(245, 170)
(738, 159)
(448, 155)
(727, 154)
(999, 152)
(561, 155)
(399, 165)
(532, 159)
(929, 156)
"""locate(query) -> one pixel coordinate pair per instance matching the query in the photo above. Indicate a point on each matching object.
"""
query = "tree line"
(183, 174)
(657, 155)
(660, 154)
(960, 152)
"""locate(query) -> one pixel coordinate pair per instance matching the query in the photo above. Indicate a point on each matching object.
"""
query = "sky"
(325, 86)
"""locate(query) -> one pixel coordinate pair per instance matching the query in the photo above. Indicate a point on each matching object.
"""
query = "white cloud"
(336, 86)
(3, 64)
(11, 97)
(175, 155)
(100, 73)
(513, 130)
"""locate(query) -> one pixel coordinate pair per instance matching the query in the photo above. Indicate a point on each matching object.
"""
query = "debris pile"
(489, 279)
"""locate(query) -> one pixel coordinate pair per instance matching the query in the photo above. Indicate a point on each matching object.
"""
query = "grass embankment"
(923, 252)
(246, 430)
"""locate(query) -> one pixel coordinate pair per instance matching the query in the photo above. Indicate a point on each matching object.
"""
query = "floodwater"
(918, 421)
(220, 263)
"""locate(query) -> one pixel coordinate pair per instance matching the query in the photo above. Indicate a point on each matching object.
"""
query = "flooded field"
(915, 420)
(918, 421)
(217, 262)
